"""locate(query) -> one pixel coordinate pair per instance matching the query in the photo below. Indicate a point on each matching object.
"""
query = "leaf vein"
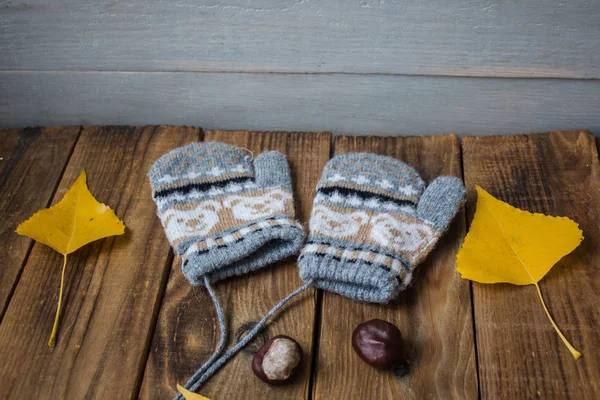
(510, 245)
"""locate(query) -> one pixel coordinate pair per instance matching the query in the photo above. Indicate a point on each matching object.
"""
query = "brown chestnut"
(379, 344)
(278, 360)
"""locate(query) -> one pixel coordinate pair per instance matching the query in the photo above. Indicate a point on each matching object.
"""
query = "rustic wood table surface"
(132, 327)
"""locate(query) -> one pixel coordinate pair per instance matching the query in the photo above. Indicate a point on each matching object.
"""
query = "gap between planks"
(318, 317)
(186, 335)
(156, 311)
(475, 344)
(361, 380)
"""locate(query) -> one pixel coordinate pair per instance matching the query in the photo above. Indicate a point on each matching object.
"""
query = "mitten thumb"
(441, 201)
(271, 169)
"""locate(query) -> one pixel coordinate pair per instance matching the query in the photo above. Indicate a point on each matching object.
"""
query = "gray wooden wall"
(471, 67)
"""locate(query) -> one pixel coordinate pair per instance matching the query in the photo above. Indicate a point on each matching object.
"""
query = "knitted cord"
(220, 348)
(247, 339)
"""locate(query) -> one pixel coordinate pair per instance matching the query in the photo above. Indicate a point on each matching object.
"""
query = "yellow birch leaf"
(76, 220)
(506, 244)
(187, 395)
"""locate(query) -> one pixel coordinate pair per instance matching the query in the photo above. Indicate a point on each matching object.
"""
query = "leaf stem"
(574, 352)
(52, 341)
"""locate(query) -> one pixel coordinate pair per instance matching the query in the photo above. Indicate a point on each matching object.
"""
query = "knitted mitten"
(372, 223)
(223, 214)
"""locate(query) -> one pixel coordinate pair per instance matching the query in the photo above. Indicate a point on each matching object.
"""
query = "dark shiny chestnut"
(379, 343)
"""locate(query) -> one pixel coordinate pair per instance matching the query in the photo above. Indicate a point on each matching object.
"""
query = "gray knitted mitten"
(372, 223)
(224, 214)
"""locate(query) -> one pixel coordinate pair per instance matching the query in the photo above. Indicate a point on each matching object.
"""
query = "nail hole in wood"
(258, 341)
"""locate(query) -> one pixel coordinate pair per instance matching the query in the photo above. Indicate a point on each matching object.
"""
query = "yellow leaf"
(187, 395)
(73, 222)
(506, 244)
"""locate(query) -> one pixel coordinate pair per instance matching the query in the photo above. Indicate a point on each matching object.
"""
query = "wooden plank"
(187, 330)
(376, 105)
(113, 287)
(520, 355)
(31, 163)
(434, 315)
(517, 38)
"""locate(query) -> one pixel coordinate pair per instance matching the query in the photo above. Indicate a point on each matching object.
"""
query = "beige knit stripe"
(384, 192)
(234, 236)
(409, 219)
(227, 220)
(363, 234)
(226, 217)
(354, 256)
(215, 179)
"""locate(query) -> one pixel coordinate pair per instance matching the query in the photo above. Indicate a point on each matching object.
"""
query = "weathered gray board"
(351, 66)
(525, 38)
(366, 104)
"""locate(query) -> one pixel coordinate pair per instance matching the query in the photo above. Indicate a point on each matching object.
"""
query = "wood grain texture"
(434, 315)
(187, 330)
(345, 104)
(31, 164)
(517, 38)
(520, 355)
(113, 287)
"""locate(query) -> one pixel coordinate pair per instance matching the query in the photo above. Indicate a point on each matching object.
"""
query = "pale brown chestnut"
(278, 360)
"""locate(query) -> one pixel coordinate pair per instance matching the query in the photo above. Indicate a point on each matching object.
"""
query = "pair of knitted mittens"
(225, 214)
